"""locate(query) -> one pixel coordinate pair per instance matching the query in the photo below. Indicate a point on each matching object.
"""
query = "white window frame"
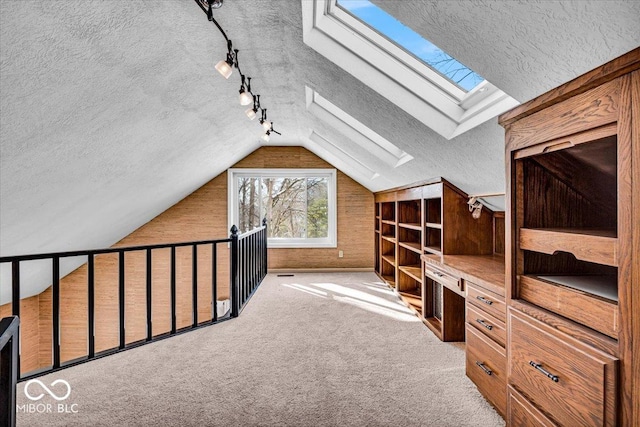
(396, 74)
(331, 241)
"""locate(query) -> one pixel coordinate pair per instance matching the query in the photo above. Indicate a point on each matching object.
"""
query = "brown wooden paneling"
(498, 233)
(45, 356)
(597, 107)
(632, 346)
(628, 288)
(74, 315)
(599, 246)
(29, 331)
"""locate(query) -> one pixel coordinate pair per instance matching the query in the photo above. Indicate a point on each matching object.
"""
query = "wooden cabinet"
(573, 163)
(486, 366)
(428, 218)
(486, 339)
(522, 413)
(569, 380)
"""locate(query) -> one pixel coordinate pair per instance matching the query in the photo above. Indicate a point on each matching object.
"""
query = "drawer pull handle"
(484, 368)
(435, 273)
(484, 300)
(548, 374)
(485, 324)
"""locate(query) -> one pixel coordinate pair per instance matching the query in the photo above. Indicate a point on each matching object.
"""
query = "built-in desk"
(449, 280)
(484, 270)
(480, 320)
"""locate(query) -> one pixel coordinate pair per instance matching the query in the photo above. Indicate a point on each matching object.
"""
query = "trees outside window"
(299, 204)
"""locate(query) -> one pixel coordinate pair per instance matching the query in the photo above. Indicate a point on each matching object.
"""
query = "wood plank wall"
(200, 216)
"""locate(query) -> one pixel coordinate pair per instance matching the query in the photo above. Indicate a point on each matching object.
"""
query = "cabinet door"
(569, 380)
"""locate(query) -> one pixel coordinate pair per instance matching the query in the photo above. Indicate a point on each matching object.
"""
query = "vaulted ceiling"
(111, 111)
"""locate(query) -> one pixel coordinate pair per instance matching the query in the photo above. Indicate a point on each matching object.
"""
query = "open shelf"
(414, 271)
(586, 244)
(433, 250)
(388, 211)
(433, 210)
(388, 221)
(389, 239)
(412, 226)
(409, 212)
(567, 223)
(601, 286)
(411, 246)
(390, 259)
(434, 225)
(413, 298)
(389, 279)
(433, 239)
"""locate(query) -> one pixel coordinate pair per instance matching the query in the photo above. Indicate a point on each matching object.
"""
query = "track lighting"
(252, 112)
(245, 95)
(266, 124)
(226, 66)
(475, 207)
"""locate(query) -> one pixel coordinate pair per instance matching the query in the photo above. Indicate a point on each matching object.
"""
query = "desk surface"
(484, 270)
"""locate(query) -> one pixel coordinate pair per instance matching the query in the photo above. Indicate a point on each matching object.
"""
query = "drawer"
(444, 278)
(486, 366)
(486, 301)
(522, 413)
(574, 383)
(487, 324)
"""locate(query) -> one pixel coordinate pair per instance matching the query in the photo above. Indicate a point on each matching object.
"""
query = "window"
(440, 92)
(299, 205)
(412, 42)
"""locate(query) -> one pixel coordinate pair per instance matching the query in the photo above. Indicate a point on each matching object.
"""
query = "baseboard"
(321, 270)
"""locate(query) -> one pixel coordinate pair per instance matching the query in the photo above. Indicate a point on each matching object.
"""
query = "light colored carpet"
(309, 350)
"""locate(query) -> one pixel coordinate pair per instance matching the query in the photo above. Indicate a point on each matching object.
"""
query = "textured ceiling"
(111, 111)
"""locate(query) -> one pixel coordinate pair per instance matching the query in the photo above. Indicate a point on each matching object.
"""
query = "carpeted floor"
(309, 350)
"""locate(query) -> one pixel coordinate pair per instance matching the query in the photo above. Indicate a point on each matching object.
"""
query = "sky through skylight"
(412, 42)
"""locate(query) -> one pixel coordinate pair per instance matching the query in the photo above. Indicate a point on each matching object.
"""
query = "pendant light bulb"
(266, 137)
(245, 97)
(251, 113)
(266, 124)
(224, 68)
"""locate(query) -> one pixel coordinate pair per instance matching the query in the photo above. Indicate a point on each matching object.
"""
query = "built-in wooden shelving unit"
(428, 218)
(572, 294)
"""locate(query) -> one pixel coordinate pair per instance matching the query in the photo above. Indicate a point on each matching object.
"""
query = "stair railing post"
(235, 285)
(264, 248)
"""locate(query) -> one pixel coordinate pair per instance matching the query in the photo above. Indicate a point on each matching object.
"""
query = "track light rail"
(225, 68)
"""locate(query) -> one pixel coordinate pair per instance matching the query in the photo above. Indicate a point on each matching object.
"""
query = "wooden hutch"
(559, 345)
(573, 240)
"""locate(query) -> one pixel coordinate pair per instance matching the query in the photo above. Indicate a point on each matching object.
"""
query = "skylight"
(412, 42)
(396, 72)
